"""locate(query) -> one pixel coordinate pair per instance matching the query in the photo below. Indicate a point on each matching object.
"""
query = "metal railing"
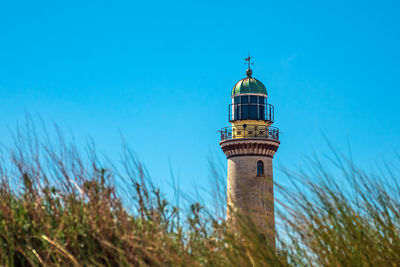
(251, 111)
(249, 131)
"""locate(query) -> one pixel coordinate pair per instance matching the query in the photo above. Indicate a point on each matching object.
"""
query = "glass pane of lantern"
(245, 112)
(262, 112)
(253, 112)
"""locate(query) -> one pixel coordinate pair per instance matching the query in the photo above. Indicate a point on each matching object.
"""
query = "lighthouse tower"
(249, 145)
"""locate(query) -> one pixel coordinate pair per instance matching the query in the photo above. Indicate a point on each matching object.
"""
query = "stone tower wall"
(252, 195)
(249, 194)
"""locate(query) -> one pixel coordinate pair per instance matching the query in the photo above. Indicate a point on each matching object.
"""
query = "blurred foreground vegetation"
(59, 208)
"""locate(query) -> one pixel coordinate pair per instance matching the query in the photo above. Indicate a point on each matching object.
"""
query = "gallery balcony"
(250, 131)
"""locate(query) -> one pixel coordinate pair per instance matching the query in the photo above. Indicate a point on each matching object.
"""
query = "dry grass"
(59, 208)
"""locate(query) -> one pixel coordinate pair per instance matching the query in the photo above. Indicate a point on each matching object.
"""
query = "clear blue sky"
(161, 73)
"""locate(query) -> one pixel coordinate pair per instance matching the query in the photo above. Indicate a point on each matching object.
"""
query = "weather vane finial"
(249, 63)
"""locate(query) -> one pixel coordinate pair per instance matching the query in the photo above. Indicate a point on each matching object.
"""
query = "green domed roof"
(249, 85)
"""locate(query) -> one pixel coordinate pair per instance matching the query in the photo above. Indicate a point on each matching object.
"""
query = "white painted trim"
(232, 96)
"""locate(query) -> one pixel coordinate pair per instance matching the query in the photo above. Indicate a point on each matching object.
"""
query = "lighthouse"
(249, 144)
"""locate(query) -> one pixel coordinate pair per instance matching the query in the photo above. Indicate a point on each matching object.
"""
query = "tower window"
(260, 168)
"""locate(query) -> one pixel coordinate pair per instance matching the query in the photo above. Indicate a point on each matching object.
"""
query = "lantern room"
(249, 101)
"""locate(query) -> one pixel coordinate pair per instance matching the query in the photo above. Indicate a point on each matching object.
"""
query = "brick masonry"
(247, 193)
